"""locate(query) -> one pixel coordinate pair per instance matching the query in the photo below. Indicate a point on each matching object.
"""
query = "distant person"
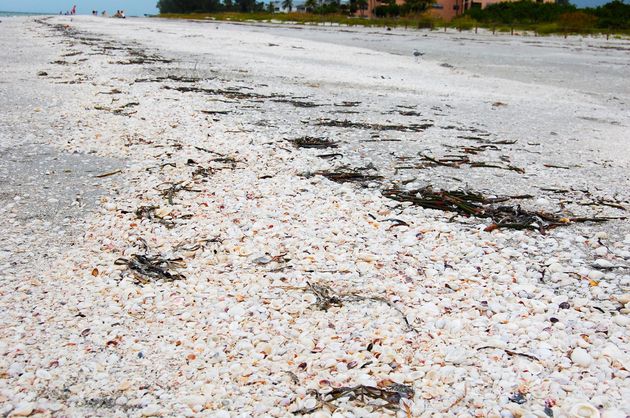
(104, 14)
(74, 10)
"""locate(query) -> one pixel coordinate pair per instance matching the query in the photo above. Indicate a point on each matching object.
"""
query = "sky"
(131, 7)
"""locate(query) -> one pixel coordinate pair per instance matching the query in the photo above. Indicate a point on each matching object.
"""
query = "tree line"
(210, 6)
(612, 15)
(388, 7)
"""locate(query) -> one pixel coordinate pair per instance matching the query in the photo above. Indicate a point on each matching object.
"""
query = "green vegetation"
(555, 17)
(389, 7)
(524, 15)
(312, 18)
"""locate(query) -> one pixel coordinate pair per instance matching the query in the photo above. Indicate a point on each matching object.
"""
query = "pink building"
(448, 9)
(373, 4)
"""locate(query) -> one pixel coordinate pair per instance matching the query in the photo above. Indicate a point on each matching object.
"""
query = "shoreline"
(270, 281)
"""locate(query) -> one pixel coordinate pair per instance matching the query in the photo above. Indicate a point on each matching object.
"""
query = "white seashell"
(622, 320)
(151, 411)
(310, 403)
(162, 212)
(603, 263)
(581, 357)
(456, 355)
(193, 400)
(584, 410)
(612, 352)
(23, 409)
(265, 259)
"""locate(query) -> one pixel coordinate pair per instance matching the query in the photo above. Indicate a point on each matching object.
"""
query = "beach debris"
(227, 161)
(297, 103)
(330, 156)
(349, 175)
(146, 268)
(346, 103)
(192, 247)
(72, 54)
(112, 91)
(417, 53)
(510, 352)
(156, 213)
(140, 57)
(409, 113)
(374, 126)
(313, 142)
(111, 173)
(474, 150)
(468, 203)
(178, 78)
(201, 171)
(121, 110)
(172, 189)
(456, 161)
(215, 112)
(388, 397)
(229, 93)
(517, 398)
(328, 298)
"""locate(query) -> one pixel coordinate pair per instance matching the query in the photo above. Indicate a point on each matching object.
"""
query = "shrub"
(547, 28)
(576, 22)
(464, 23)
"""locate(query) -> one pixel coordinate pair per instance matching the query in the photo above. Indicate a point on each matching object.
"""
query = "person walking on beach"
(74, 10)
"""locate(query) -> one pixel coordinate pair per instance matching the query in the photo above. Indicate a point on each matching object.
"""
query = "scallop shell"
(584, 410)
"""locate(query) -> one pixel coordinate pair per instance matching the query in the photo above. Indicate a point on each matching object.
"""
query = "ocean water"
(7, 14)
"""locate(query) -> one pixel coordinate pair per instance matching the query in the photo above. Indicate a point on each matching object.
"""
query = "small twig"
(111, 173)
(510, 352)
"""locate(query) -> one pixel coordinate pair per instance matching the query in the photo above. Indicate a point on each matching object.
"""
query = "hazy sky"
(131, 7)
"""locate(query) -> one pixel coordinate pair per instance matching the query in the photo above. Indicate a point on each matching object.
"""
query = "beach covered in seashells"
(212, 219)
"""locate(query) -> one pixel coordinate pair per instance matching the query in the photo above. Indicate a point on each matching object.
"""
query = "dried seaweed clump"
(146, 268)
(313, 142)
(388, 397)
(468, 203)
(349, 175)
(327, 298)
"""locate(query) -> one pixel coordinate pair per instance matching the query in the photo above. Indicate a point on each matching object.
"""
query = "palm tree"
(363, 4)
(310, 5)
(288, 5)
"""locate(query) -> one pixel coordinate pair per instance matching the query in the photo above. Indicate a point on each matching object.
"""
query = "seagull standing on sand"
(417, 54)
